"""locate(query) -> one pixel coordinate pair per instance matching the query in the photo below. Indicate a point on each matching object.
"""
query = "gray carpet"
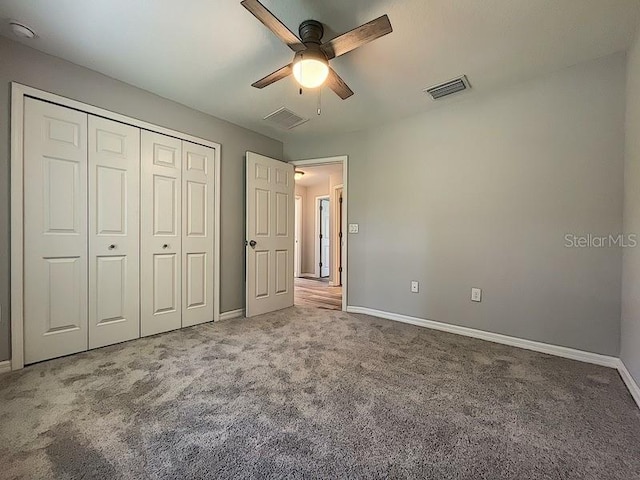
(309, 393)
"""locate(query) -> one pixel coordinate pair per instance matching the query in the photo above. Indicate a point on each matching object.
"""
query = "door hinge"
(320, 236)
(340, 199)
(340, 269)
(321, 264)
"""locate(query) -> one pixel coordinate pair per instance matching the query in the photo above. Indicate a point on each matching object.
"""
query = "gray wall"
(30, 67)
(630, 344)
(309, 225)
(302, 192)
(480, 193)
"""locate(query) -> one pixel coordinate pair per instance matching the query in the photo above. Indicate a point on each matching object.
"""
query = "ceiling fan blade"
(270, 21)
(357, 37)
(284, 72)
(335, 83)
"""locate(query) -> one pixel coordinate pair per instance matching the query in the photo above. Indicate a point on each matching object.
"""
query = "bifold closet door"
(198, 187)
(114, 192)
(160, 233)
(55, 231)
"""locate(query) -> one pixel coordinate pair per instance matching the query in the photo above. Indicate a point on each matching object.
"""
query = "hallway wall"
(309, 196)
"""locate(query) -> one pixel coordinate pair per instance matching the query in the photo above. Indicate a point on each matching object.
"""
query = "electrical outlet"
(415, 286)
(353, 228)
(476, 295)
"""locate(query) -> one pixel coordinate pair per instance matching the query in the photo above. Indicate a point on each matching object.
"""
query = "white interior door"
(55, 231)
(114, 192)
(160, 233)
(325, 238)
(198, 186)
(270, 234)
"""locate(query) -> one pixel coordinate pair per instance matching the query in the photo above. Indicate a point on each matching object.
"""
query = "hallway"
(317, 293)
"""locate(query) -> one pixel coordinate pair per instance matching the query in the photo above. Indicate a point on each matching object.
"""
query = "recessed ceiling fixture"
(297, 174)
(21, 30)
(310, 66)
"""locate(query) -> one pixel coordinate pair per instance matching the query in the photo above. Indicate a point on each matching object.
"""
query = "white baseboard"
(232, 314)
(5, 366)
(308, 275)
(629, 381)
(566, 352)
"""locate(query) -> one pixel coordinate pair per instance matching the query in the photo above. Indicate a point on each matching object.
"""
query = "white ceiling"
(206, 53)
(317, 175)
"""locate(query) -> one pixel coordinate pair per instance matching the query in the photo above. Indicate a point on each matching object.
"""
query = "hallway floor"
(312, 292)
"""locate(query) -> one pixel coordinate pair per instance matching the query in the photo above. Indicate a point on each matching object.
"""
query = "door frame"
(16, 304)
(344, 159)
(298, 234)
(316, 268)
(335, 231)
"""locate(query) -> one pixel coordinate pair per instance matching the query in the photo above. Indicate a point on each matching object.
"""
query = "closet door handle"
(112, 246)
(166, 245)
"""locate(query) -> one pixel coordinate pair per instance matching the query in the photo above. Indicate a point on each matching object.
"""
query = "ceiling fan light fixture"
(297, 174)
(310, 69)
(310, 65)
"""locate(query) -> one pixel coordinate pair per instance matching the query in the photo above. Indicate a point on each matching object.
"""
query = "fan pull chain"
(319, 101)
(301, 66)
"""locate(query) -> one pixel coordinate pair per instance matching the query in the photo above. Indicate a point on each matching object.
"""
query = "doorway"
(321, 247)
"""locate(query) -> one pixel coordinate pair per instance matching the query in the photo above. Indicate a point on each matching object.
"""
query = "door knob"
(112, 246)
(253, 243)
(166, 245)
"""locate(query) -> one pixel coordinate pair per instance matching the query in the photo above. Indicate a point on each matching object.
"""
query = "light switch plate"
(476, 295)
(353, 228)
(415, 286)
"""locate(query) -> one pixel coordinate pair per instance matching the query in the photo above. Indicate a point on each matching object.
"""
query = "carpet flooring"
(312, 393)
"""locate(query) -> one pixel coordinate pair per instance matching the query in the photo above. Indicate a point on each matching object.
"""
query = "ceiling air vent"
(448, 88)
(285, 118)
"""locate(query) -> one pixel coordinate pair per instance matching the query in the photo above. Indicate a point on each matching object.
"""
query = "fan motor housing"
(311, 31)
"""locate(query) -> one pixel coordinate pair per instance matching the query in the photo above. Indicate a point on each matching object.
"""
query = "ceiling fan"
(310, 65)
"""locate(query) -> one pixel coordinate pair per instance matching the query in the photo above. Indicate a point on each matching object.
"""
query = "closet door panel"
(114, 241)
(55, 231)
(197, 233)
(161, 247)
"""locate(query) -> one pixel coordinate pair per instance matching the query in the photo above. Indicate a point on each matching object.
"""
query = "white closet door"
(114, 191)
(198, 186)
(160, 251)
(55, 228)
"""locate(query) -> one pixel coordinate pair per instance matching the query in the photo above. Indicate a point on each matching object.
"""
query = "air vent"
(285, 118)
(448, 88)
